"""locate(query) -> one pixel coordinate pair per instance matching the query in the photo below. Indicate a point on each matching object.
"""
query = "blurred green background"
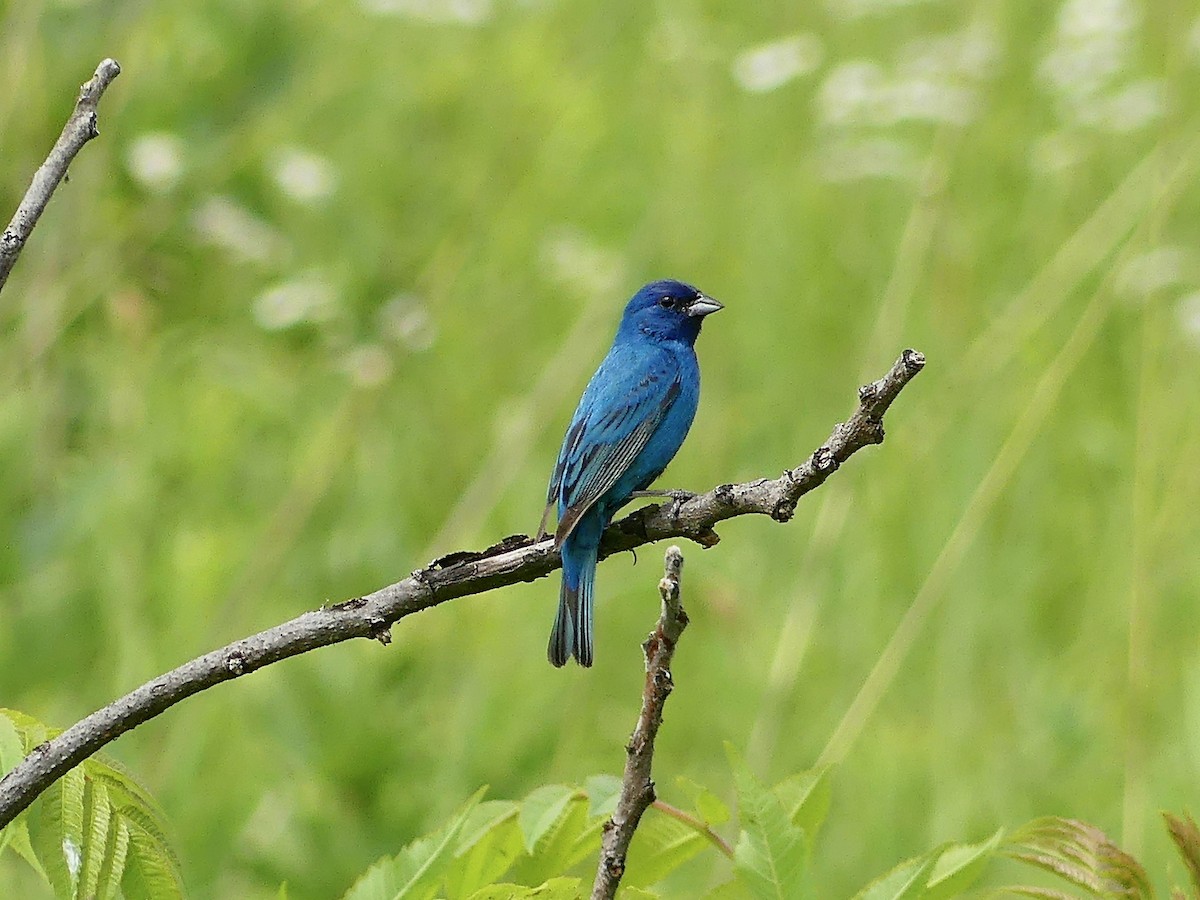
(317, 306)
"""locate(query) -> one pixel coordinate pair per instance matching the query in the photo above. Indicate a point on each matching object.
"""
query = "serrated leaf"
(603, 792)
(116, 851)
(151, 869)
(416, 872)
(562, 843)
(126, 792)
(905, 882)
(660, 845)
(483, 818)
(708, 806)
(554, 889)
(98, 816)
(488, 846)
(959, 866)
(55, 823)
(771, 853)
(806, 798)
(1081, 854)
(1186, 836)
(541, 810)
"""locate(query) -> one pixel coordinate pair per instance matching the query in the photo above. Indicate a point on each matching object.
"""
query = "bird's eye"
(666, 302)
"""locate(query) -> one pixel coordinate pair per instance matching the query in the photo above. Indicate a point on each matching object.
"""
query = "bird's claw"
(678, 498)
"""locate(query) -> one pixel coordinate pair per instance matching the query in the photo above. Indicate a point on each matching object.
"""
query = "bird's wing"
(606, 437)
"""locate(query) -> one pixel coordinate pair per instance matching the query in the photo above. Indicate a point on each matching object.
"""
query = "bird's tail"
(572, 633)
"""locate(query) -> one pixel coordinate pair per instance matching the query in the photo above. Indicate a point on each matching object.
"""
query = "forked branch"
(637, 786)
(516, 558)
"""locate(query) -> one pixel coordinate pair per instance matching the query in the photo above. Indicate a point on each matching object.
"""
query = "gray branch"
(80, 129)
(637, 787)
(515, 559)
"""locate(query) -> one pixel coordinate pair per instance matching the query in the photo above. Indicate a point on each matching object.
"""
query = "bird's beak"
(703, 305)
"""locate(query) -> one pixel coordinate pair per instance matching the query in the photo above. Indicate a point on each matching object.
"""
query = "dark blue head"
(670, 310)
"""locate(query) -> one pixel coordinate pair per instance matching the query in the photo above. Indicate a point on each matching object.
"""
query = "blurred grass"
(270, 376)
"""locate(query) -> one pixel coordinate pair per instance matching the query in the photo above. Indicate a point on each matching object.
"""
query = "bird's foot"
(678, 498)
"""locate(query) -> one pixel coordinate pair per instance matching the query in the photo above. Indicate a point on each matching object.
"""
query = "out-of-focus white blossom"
(303, 175)
(772, 65)
(1155, 269)
(368, 365)
(155, 160)
(572, 259)
(222, 222)
(307, 299)
(1086, 68)
(405, 320)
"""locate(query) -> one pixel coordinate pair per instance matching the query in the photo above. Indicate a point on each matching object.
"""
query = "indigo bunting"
(630, 422)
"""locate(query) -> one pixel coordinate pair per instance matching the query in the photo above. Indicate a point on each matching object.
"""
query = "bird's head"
(668, 309)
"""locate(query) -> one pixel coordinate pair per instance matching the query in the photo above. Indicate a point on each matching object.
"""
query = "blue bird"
(630, 422)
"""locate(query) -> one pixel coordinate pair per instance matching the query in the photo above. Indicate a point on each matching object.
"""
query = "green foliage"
(224, 400)
(506, 849)
(772, 852)
(95, 833)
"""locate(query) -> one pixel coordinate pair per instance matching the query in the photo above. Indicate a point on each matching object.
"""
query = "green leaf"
(416, 872)
(31, 730)
(98, 815)
(1186, 836)
(541, 811)
(603, 792)
(708, 806)
(151, 869)
(554, 889)
(55, 823)
(959, 866)
(660, 845)
(771, 853)
(12, 751)
(1081, 854)
(12, 748)
(19, 841)
(905, 882)
(489, 844)
(483, 819)
(566, 838)
(636, 893)
(807, 797)
(116, 851)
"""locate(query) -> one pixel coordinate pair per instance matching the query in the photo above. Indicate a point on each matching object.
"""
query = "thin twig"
(696, 824)
(80, 128)
(637, 787)
(515, 559)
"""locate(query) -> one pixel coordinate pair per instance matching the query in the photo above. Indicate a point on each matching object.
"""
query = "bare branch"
(516, 558)
(637, 787)
(80, 128)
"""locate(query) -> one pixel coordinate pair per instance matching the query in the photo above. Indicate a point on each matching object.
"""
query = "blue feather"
(630, 422)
